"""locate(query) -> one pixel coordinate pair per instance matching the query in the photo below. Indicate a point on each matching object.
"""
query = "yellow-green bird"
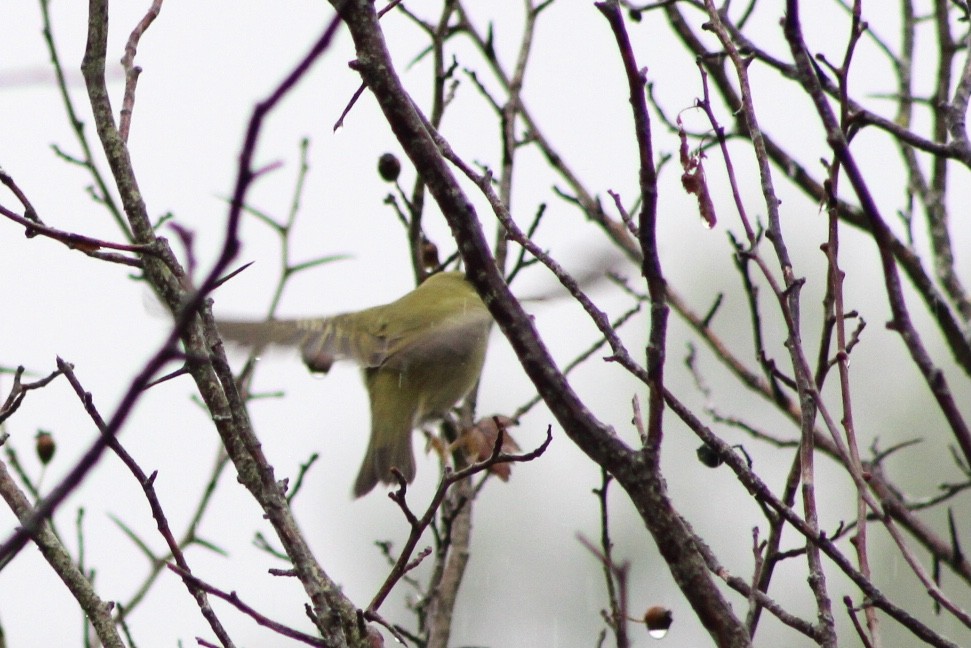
(420, 354)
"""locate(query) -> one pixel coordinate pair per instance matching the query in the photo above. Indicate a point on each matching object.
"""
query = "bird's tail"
(394, 403)
(384, 453)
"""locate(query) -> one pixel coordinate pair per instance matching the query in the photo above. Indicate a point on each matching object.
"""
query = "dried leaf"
(693, 179)
(478, 442)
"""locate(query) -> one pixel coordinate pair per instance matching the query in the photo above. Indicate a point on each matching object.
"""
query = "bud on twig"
(45, 446)
(389, 167)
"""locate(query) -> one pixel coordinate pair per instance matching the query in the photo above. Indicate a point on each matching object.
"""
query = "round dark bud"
(709, 456)
(389, 167)
(45, 446)
(429, 255)
(658, 617)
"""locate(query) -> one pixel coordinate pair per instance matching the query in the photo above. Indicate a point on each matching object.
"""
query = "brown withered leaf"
(693, 179)
(478, 441)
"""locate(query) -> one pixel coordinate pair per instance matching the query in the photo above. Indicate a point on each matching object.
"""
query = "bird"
(419, 355)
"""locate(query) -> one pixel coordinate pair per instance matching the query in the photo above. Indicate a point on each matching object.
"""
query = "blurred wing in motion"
(321, 341)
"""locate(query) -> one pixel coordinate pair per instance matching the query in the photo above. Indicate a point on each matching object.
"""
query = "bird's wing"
(321, 340)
